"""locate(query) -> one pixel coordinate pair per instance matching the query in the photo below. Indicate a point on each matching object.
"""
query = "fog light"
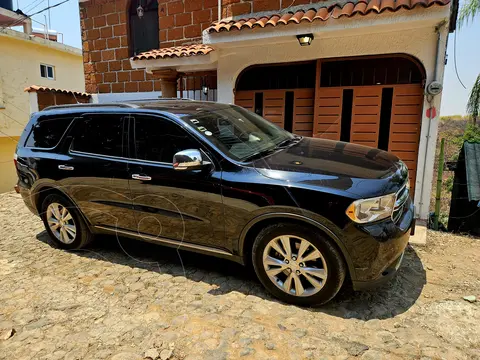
(305, 39)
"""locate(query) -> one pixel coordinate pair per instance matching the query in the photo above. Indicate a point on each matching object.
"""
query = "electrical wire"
(18, 122)
(32, 6)
(8, 136)
(18, 22)
(455, 57)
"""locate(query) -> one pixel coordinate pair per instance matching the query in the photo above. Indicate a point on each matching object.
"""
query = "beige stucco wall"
(410, 33)
(20, 59)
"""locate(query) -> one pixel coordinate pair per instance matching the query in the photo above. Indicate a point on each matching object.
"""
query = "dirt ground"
(124, 300)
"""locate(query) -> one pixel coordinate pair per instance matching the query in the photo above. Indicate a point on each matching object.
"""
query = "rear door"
(95, 174)
(177, 205)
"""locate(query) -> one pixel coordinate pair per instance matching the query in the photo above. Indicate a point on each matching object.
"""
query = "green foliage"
(448, 184)
(455, 157)
(443, 219)
(472, 133)
(473, 105)
(468, 11)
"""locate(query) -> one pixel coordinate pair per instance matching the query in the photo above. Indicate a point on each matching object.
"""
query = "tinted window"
(158, 140)
(48, 132)
(99, 135)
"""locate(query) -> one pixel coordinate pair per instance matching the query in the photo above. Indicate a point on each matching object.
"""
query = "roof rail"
(158, 99)
(70, 106)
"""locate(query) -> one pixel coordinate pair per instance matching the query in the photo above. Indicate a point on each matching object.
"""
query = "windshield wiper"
(260, 154)
(287, 142)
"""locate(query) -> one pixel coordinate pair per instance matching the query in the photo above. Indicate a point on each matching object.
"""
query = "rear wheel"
(298, 265)
(64, 223)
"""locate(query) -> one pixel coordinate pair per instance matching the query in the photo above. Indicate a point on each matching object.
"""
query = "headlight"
(368, 210)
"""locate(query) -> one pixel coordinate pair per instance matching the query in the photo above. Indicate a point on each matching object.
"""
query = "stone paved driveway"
(124, 300)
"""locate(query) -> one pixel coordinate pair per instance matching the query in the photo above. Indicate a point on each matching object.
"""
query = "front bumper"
(385, 277)
(377, 249)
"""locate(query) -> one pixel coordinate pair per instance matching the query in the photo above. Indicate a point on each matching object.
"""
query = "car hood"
(336, 166)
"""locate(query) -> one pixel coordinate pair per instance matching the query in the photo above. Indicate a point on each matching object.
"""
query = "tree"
(468, 12)
(473, 105)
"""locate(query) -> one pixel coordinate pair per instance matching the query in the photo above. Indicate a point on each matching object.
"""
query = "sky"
(65, 19)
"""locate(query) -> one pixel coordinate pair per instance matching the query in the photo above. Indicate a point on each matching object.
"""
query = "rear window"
(102, 135)
(47, 133)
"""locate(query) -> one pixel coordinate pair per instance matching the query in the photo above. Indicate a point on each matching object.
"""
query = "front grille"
(401, 199)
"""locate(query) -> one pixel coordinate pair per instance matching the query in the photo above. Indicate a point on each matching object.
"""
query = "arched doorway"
(372, 101)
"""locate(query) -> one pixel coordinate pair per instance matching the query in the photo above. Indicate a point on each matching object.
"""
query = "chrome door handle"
(65, 167)
(141, 177)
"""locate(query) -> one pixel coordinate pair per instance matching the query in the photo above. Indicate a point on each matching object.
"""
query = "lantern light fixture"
(140, 11)
(305, 39)
(205, 90)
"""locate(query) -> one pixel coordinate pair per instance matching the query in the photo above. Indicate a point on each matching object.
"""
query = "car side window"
(47, 132)
(159, 139)
(99, 134)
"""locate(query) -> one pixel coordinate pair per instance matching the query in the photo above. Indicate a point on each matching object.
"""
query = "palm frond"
(473, 105)
(468, 11)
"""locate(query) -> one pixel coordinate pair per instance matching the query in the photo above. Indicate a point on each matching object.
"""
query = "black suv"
(217, 179)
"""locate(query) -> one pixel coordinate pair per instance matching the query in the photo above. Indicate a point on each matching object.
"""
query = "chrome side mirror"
(190, 159)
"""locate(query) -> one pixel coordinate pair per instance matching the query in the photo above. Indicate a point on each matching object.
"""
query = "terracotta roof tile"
(335, 11)
(36, 88)
(176, 51)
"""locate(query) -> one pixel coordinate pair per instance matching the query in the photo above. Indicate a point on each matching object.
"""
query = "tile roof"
(176, 51)
(35, 88)
(335, 11)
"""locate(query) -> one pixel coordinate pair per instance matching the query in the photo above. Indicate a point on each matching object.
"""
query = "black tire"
(333, 258)
(83, 235)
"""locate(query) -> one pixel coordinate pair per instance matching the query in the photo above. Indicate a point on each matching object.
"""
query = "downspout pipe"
(430, 103)
(219, 10)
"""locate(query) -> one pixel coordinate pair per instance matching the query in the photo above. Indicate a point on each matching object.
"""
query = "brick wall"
(240, 7)
(105, 37)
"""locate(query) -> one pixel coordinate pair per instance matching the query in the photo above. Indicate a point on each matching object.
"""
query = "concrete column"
(168, 82)
(33, 101)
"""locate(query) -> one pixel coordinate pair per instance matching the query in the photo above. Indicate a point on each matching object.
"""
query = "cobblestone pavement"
(126, 300)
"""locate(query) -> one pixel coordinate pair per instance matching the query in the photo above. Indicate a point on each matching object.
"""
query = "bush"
(472, 133)
(448, 184)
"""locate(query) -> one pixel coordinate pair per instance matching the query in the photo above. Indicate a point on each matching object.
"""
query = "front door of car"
(171, 204)
(95, 171)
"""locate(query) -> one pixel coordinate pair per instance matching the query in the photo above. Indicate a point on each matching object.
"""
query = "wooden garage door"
(274, 106)
(407, 106)
(328, 113)
(303, 109)
(366, 115)
(245, 99)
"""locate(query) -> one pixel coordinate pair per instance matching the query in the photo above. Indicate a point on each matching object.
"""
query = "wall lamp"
(205, 90)
(305, 39)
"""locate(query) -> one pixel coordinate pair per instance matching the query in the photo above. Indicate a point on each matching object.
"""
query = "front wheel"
(298, 265)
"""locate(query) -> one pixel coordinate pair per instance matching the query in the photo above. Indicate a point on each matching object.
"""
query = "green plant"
(469, 10)
(473, 105)
(448, 184)
(472, 132)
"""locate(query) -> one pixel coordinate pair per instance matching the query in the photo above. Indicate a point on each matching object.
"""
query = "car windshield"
(239, 133)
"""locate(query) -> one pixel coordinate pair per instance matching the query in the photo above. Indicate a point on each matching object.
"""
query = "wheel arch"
(43, 191)
(251, 230)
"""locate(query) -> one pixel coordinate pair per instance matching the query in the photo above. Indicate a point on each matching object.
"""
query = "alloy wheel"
(61, 223)
(295, 265)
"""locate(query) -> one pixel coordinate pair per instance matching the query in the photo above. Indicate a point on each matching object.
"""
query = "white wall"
(419, 40)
